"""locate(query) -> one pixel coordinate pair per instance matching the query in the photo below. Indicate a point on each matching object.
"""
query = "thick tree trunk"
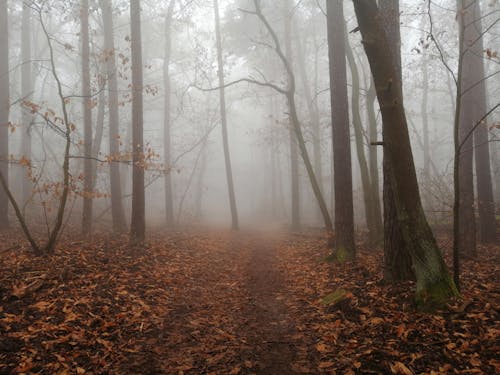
(138, 219)
(344, 215)
(4, 112)
(167, 146)
(225, 141)
(26, 94)
(434, 284)
(397, 259)
(87, 119)
(117, 212)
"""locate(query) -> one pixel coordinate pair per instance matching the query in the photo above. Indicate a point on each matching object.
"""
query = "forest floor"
(233, 303)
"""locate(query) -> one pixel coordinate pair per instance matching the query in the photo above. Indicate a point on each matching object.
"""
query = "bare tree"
(87, 119)
(117, 212)
(434, 284)
(486, 206)
(370, 195)
(167, 117)
(138, 220)
(344, 215)
(223, 114)
(397, 258)
(294, 154)
(26, 94)
(467, 226)
(4, 112)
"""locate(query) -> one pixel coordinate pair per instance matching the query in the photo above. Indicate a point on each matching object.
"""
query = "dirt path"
(266, 321)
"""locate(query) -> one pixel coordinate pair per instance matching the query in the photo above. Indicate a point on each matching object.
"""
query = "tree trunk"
(117, 212)
(225, 141)
(294, 156)
(4, 112)
(434, 284)
(373, 222)
(313, 111)
(467, 227)
(397, 258)
(138, 219)
(344, 215)
(373, 156)
(87, 119)
(99, 131)
(425, 117)
(486, 203)
(167, 146)
(26, 94)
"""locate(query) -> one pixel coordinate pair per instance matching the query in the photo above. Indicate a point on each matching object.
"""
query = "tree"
(397, 258)
(312, 107)
(434, 284)
(370, 195)
(344, 216)
(167, 118)
(371, 97)
(26, 94)
(4, 112)
(138, 220)
(223, 114)
(65, 128)
(117, 212)
(473, 37)
(87, 119)
(294, 155)
(467, 226)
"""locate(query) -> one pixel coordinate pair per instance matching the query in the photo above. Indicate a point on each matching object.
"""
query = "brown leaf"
(400, 368)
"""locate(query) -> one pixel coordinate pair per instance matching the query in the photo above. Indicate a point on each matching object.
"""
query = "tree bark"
(167, 118)
(87, 119)
(117, 212)
(397, 259)
(434, 284)
(138, 219)
(344, 215)
(4, 112)
(225, 141)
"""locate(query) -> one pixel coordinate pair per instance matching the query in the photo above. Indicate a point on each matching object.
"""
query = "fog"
(257, 116)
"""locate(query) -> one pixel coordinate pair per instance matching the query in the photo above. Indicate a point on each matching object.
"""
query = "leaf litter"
(233, 303)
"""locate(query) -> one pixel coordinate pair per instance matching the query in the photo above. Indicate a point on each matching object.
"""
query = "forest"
(249, 187)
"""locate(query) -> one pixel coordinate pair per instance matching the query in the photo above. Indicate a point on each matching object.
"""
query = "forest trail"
(250, 325)
(269, 327)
